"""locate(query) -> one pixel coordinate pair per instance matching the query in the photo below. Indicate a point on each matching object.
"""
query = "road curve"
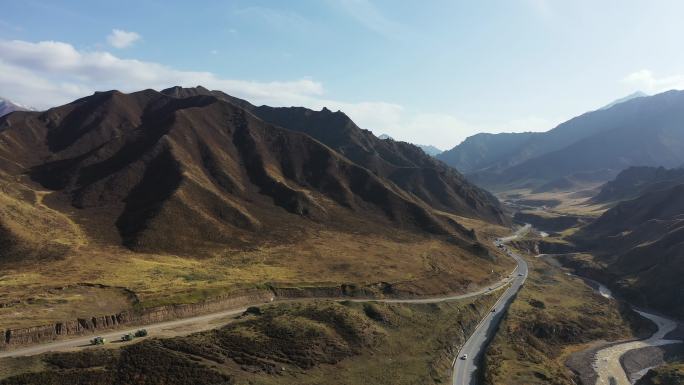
(464, 370)
(84, 341)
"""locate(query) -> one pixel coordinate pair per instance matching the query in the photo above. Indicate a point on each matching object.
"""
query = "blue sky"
(429, 72)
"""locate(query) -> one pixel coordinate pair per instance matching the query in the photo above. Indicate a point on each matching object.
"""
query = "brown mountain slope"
(404, 164)
(145, 165)
(180, 199)
(639, 248)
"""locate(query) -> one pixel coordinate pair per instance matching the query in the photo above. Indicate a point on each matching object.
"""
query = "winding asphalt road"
(465, 369)
(199, 323)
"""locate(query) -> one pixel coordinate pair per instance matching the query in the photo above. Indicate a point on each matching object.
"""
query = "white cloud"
(67, 73)
(51, 73)
(122, 39)
(646, 81)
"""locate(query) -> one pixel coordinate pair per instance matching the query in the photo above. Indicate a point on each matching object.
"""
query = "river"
(607, 361)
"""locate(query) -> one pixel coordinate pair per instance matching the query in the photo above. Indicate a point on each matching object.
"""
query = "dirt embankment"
(11, 338)
(530, 246)
(45, 333)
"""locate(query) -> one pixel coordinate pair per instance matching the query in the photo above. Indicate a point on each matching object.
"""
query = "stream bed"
(607, 361)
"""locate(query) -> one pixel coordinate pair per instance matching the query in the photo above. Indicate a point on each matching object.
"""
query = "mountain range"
(216, 171)
(638, 245)
(636, 181)
(591, 148)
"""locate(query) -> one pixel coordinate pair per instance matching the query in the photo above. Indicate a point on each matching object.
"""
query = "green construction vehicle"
(98, 341)
(127, 337)
(141, 333)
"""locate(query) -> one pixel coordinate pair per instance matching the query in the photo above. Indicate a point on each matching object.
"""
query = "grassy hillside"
(411, 265)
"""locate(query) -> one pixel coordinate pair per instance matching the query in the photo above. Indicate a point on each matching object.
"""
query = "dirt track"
(190, 325)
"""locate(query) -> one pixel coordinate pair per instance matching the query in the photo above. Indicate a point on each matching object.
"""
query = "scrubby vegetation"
(321, 342)
(553, 315)
(302, 336)
(91, 358)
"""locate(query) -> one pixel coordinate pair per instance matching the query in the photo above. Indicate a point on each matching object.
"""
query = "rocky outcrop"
(530, 246)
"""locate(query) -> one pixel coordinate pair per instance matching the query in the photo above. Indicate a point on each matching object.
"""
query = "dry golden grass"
(26, 218)
(43, 305)
(317, 256)
(20, 365)
(417, 264)
(572, 202)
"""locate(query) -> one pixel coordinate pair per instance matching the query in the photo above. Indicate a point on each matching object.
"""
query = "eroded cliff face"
(12, 338)
(45, 333)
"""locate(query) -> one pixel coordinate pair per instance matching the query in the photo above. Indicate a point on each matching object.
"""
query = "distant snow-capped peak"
(7, 106)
